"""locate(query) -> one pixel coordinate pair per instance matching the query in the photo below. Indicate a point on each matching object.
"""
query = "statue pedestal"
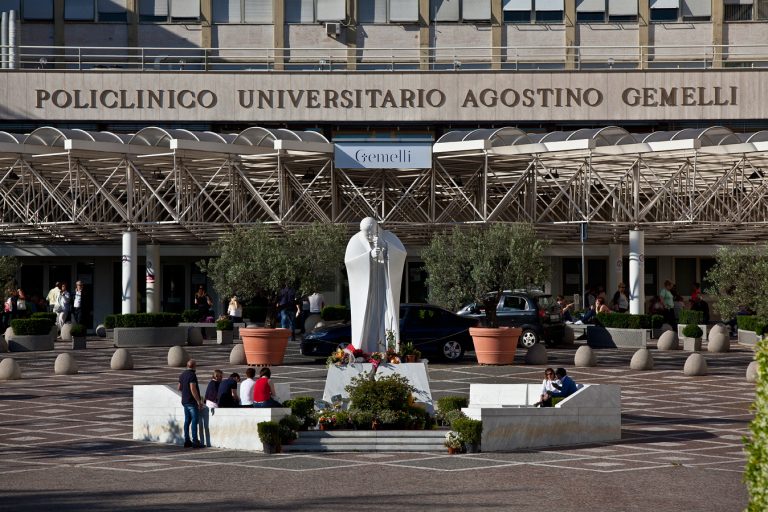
(339, 378)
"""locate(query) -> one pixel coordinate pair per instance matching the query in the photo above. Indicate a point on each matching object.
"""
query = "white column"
(154, 286)
(615, 268)
(636, 272)
(129, 257)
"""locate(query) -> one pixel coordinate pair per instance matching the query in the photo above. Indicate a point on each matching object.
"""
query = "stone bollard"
(695, 365)
(65, 364)
(9, 369)
(237, 356)
(719, 328)
(719, 342)
(177, 357)
(642, 360)
(101, 331)
(752, 372)
(536, 355)
(121, 360)
(66, 332)
(585, 357)
(194, 336)
(668, 341)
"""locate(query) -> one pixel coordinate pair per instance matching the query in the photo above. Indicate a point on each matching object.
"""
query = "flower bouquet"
(326, 421)
(453, 442)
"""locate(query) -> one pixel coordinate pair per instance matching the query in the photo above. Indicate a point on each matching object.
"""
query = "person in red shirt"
(264, 390)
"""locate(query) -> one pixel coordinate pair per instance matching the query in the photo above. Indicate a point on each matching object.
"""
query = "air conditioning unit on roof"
(333, 29)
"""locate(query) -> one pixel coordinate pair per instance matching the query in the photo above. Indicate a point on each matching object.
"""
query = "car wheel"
(452, 350)
(529, 338)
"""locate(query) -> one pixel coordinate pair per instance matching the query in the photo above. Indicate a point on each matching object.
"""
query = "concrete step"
(369, 441)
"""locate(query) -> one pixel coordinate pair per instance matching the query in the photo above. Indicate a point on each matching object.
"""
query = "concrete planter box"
(150, 336)
(224, 337)
(110, 334)
(748, 337)
(78, 343)
(703, 328)
(691, 344)
(207, 329)
(30, 343)
(611, 337)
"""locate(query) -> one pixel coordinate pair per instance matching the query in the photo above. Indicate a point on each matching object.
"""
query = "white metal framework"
(176, 186)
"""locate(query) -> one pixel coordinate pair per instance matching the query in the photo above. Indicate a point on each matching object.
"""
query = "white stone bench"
(510, 422)
(158, 417)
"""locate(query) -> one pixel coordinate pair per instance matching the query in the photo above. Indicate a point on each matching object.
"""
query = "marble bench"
(158, 417)
(510, 422)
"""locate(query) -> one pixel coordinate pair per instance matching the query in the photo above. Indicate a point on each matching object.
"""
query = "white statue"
(374, 260)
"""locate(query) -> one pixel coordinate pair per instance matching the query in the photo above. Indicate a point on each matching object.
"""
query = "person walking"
(77, 303)
(286, 305)
(192, 403)
(63, 306)
(53, 297)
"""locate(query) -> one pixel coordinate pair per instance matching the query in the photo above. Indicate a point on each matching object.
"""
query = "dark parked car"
(433, 330)
(537, 314)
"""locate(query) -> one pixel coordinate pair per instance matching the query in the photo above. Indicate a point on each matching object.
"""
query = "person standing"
(63, 306)
(235, 310)
(286, 305)
(203, 304)
(620, 301)
(53, 297)
(77, 303)
(669, 302)
(246, 388)
(10, 308)
(192, 403)
(22, 307)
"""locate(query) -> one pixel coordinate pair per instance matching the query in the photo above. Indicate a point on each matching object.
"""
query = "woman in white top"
(550, 383)
(235, 310)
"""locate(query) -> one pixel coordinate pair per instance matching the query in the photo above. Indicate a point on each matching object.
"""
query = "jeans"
(191, 419)
(287, 319)
(269, 403)
(204, 430)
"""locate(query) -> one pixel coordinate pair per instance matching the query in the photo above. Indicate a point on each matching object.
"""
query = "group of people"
(68, 306)
(292, 311)
(16, 306)
(556, 384)
(220, 393)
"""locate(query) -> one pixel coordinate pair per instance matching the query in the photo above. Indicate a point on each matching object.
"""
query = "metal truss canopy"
(180, 187)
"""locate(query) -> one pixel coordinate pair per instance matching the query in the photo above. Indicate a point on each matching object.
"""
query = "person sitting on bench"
(567, 386)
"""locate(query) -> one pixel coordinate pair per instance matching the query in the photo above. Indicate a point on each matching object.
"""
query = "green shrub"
(148, 320)
(333, 313)
(629, 321)
(692, 331)
(224, 325)
(289, 426)
(751, 323)
(360, 419)
(190, 315)
(44, 314)
(303, 407)
(451, 403)
(470, 430)
(31, 326)
(110, 321)
(756, 445)
(342, 419)
(390, 419)
(420, 419)
(78, 330)
(269, 432)
(691, 316)
(390, 392)
(255, 313)
(449, 417)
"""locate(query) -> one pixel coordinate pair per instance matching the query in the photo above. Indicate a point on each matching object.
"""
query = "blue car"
(434, 331)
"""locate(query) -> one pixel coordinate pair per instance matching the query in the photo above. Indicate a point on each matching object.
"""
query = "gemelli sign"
(382, 156)
(382, 97)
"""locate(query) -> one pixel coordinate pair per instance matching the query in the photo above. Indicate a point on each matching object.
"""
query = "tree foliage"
(464, 266)
(258, 262)
(756, 469)
(9, 266)
(740, 280)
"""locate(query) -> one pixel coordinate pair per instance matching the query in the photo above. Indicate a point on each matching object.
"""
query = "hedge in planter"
(470, 431)
(77, 331)
(691, 316)
(110, 321)
(190, 316)
(751, 323)
(303, 407)
(44, 314)
(269, 435)
(224, 325)
(31, 326)
(629, 321)
(692, 331)
(147, 320)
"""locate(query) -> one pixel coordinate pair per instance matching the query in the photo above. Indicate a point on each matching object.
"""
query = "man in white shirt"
(246, 388)
(53, 296)
(316, 303)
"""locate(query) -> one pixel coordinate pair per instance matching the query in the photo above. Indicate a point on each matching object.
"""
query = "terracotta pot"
(495, 345)
(453, 451)
(263, 346)
(323, 426)
(410, 359)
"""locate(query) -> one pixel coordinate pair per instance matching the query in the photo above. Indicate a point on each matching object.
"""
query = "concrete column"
(206, 24)
(497, 26)
(132, 8)
(570, 34)
(424, 37)
(130, 256)
(615, 268)
(278, 33)
(58, 23)
(717, 33)
(643, 29)
(350, 35)
(154, 285)
(636, 272)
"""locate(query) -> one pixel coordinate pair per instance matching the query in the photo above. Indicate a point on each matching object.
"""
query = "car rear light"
(542, 313)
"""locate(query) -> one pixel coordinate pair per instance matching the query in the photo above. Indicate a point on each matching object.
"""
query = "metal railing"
(515, 58)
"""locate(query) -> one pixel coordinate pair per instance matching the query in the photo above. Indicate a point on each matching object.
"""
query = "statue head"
(370, 227)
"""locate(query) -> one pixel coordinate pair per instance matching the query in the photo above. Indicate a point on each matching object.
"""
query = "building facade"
(629, 130)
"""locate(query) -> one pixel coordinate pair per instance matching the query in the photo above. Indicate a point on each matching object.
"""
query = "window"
(37, 10)
(540, 11)
(242, 11)
(549, 11)
(79, 10)
(622, 11)
(590, 11)
(331, 10)
(299, 11)
(517, 11)
(10, 5)
(762, 9)
(164, 11)
(111, 11)
(388, 11)
(696, 10)
(737, 10)
(515, 303)
(665, 10)
(460, 10)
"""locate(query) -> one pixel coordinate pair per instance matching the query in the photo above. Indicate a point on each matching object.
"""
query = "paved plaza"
(65, 444)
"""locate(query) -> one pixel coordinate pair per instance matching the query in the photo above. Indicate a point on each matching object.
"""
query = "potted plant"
(477, 265)
(326, 421)
(258, 262)
(78, 333)
(453, 442)
(470, 431)
(224, 331)
(692, 338)
(269, 435)
(409, 353)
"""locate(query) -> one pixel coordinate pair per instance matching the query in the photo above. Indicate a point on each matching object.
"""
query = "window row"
(387, 11)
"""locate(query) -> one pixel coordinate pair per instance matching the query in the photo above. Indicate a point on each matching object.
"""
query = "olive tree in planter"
(476, 265)
(259, 261)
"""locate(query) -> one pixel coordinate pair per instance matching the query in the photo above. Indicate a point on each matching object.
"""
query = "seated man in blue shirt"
(567, 385)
